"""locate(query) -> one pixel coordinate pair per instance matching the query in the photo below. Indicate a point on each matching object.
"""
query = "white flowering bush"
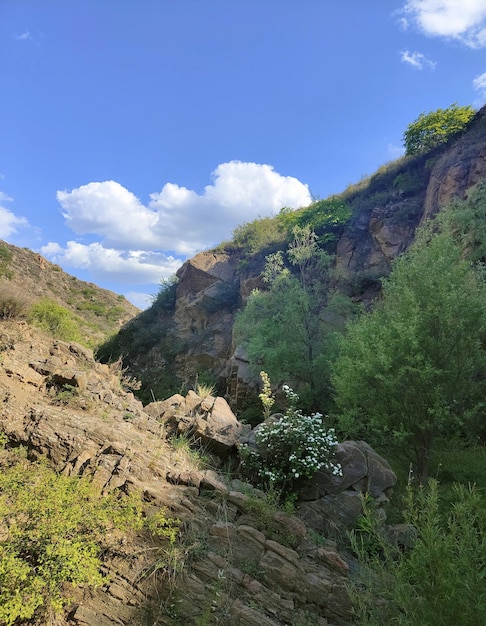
(292, 447)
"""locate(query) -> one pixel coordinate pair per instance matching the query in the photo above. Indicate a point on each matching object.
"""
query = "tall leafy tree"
(431, 129)
(284, 328)
(414, 369)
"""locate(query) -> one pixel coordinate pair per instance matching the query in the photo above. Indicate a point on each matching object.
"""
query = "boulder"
(208, 420)
(330, 503)
(217, 427)
(362, 470)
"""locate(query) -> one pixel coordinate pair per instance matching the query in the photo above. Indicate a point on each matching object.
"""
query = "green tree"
(284, 328)
(414, 369)
(432, 129)
(260, 327)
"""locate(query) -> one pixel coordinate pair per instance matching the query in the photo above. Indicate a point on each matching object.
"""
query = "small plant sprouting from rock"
(292, 447)
(204, 390)
(66, 394)
(192, 453)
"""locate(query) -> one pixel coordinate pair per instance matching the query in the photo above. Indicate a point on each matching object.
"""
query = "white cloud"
(125, 267)
(479, 84)
(463, 20)
(141, 300)
(139, 244)
(402, 21)
(177, 219)
(110, 211)
(9, 222)
(4, 197)
(240, 193)
(417, 60)
(25, 36)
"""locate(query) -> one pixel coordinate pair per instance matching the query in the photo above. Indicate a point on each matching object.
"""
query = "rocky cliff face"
(205, 301)
(386, 212)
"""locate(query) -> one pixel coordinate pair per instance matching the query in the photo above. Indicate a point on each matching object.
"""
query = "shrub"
(407, 184)
(64, 395)
(440, 579)
(323, 217)
(55, 319)
(432, 129)
(111, 313)
(11, 306)
(259, 234)
(292, 447)
(165, 298)
(53, 530)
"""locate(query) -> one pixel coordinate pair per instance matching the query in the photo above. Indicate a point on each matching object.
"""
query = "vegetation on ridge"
(435, 128)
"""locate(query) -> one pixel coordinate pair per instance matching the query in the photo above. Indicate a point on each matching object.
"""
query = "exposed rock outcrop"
(207, 292)
(459, 168)
(242, 560)
(208, 420)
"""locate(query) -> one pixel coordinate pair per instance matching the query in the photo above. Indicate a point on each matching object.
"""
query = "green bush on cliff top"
(432, 129)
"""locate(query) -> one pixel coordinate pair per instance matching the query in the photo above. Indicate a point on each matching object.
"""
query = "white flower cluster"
(295, 447)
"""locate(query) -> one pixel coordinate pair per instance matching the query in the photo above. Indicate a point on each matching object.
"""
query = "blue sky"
(135, 133)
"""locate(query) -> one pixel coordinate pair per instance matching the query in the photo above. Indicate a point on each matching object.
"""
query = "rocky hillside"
(190, 330)
(238, 560)
(29, 277)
